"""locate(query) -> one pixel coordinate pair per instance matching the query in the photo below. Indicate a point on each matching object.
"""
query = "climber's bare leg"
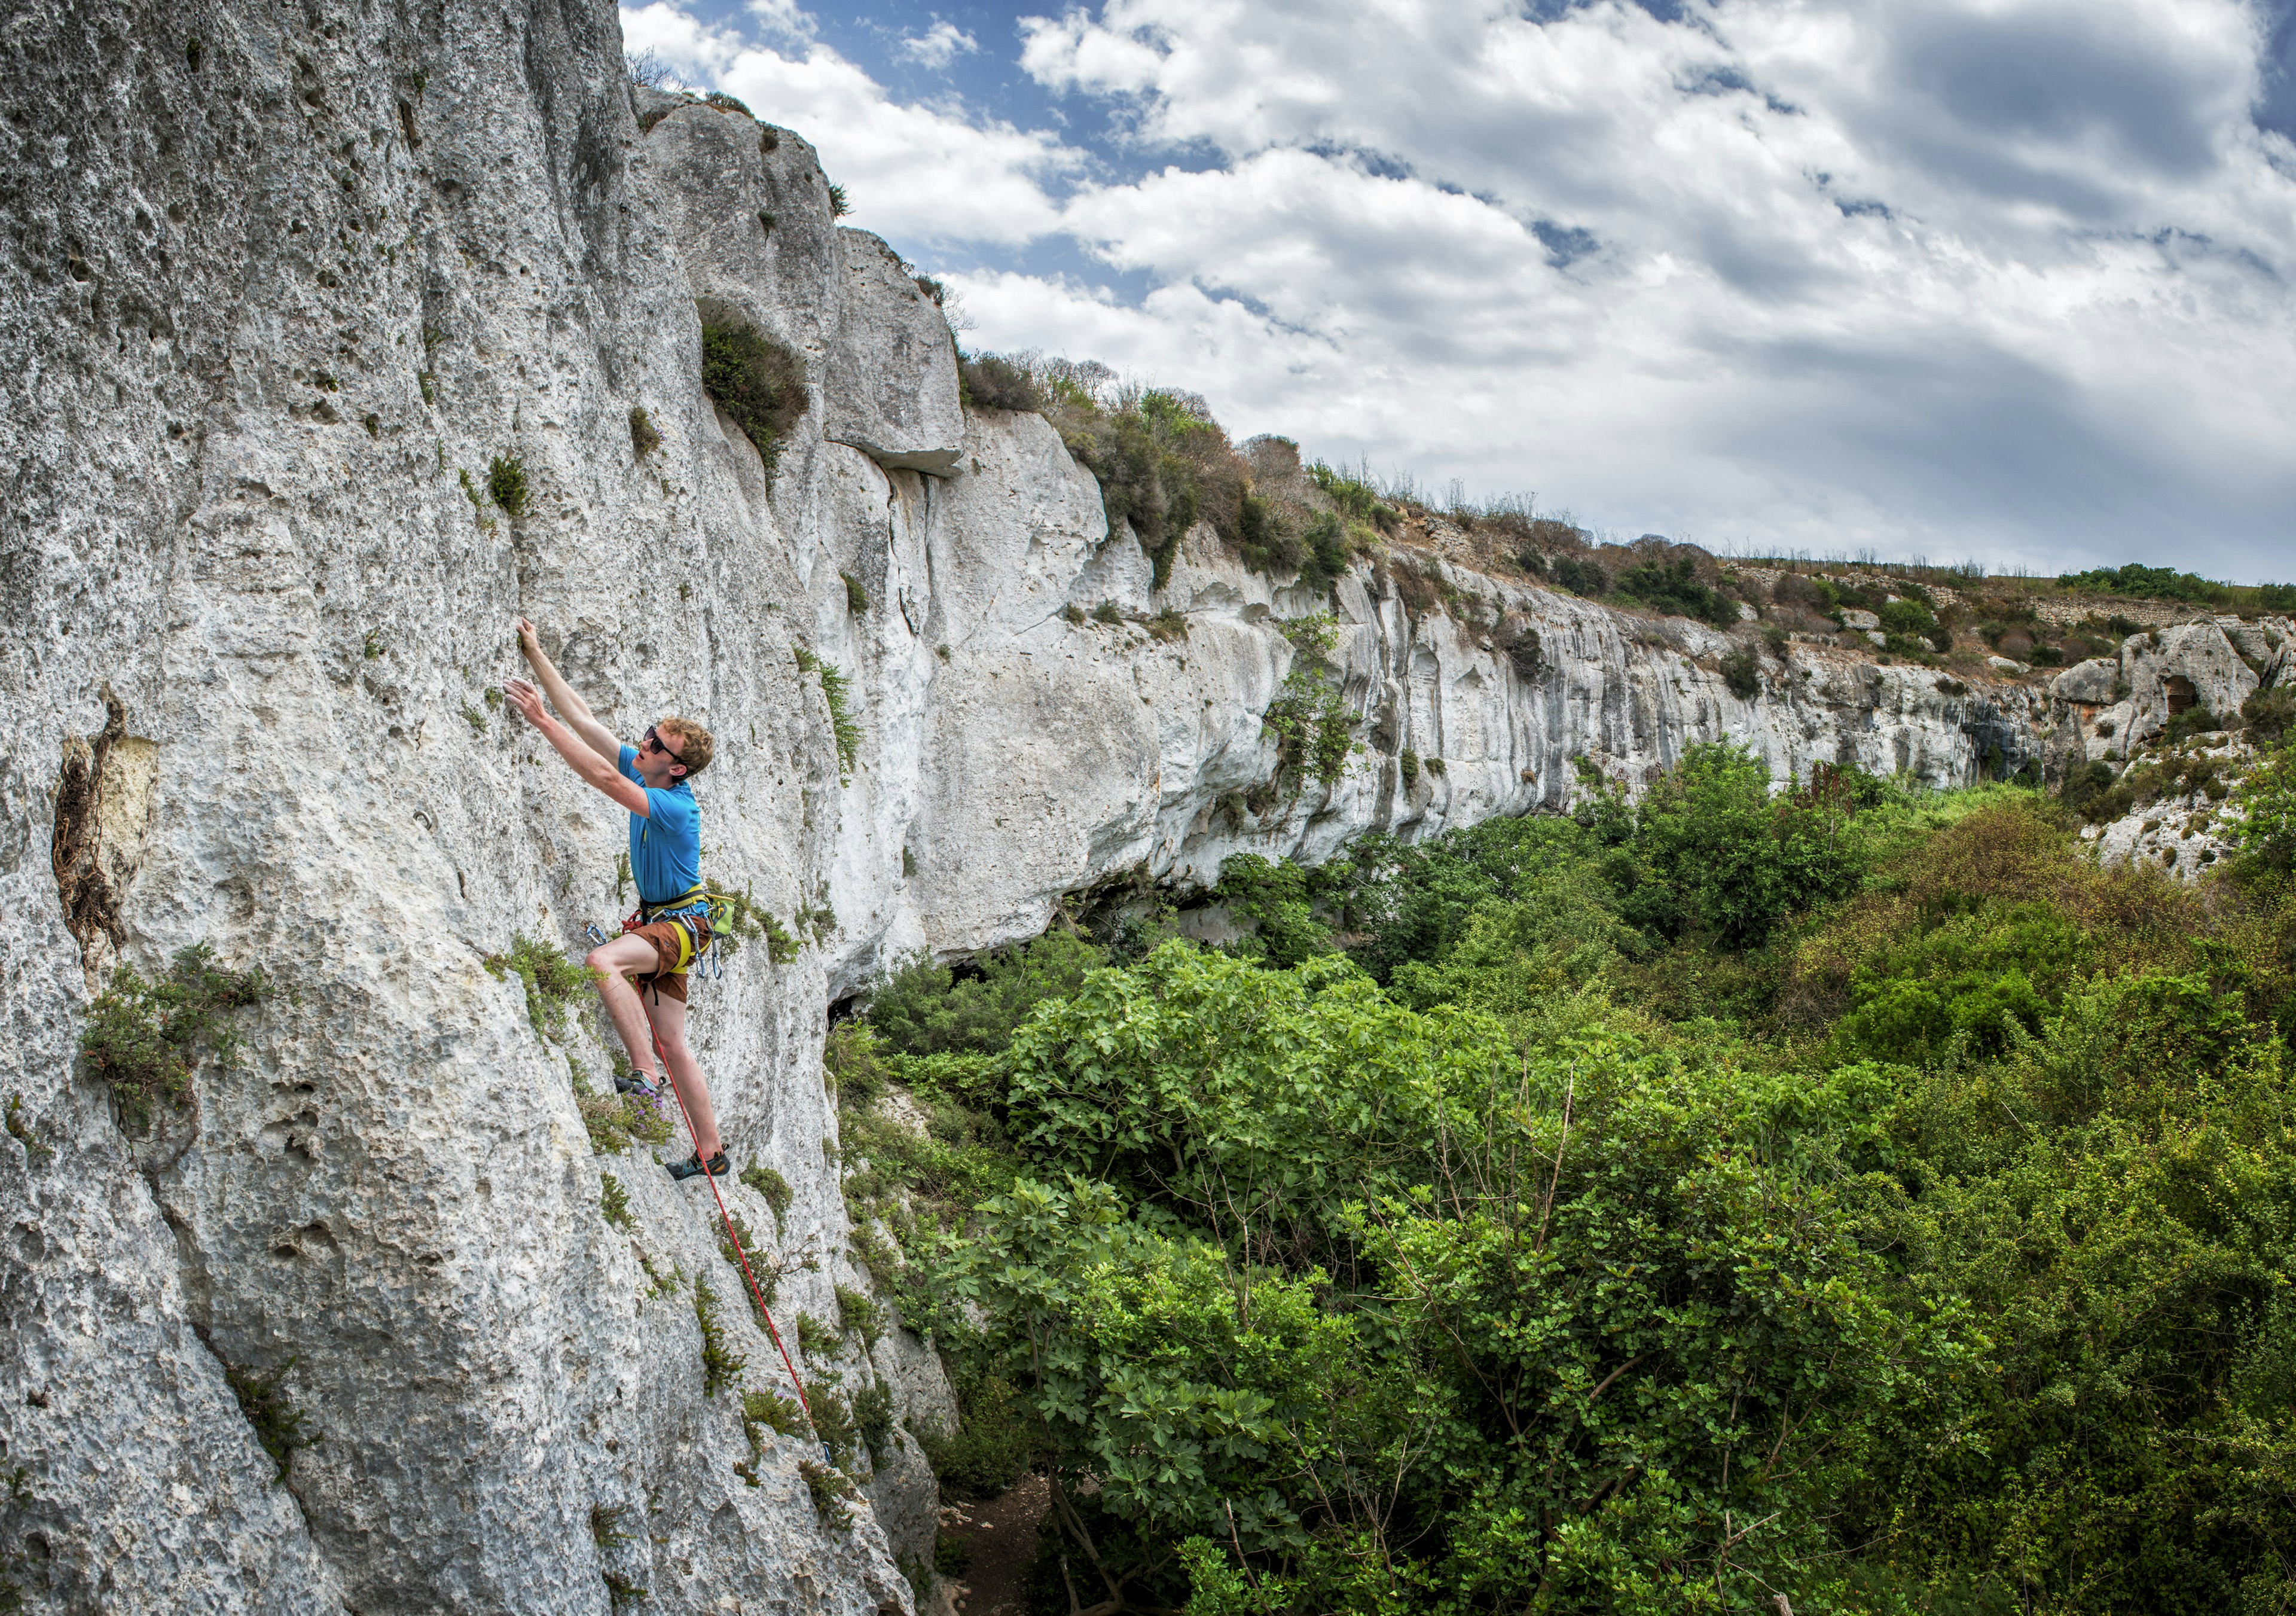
(670, 1027)
(612, 964)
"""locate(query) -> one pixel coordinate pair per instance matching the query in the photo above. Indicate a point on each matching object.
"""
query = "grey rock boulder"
(892, 383)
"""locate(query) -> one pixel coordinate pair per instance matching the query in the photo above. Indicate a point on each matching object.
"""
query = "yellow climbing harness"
(713, 910)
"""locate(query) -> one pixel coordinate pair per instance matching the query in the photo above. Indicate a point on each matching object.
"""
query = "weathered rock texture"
(277, 297)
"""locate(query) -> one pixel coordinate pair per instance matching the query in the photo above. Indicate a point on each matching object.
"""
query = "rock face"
(289, 301)
(2123, 699)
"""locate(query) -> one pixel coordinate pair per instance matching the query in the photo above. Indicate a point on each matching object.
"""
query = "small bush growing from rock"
(726, 1249)
(858, 1314)
(645, 438)
(1108, 612)
(35, 1152)
(1523, 647)
(856, 598)
(644, 70)
(1741, 674)
(814, 1338)
(991, 381)
(725, 102)
(838, 206)
(1409, 764)
(551, 979)
(764, 1411)
(757, 381)
(773, 1186)
(844, 728)
(506, 483)
(830, 1490)
(614, 1201)
(144, 1038)
(873, 1417)
(721, 1366)
(606, 1525)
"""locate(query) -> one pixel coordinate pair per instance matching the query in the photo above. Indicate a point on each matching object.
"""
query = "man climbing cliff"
(650, 779)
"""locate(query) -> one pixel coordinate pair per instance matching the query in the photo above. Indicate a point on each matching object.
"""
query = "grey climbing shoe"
(638, 1087)
(692, 1168)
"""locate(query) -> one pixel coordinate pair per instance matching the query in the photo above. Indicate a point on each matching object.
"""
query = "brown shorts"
(675, 949)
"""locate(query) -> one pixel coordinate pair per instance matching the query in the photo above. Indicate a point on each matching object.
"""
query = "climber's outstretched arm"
(580, 756)
(576, 711)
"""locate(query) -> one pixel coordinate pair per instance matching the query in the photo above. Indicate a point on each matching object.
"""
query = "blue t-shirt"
(666, 848)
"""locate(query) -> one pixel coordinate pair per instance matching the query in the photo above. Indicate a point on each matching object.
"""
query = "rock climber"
(650, 779)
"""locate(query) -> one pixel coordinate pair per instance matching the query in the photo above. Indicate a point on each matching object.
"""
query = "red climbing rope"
(662, 1062)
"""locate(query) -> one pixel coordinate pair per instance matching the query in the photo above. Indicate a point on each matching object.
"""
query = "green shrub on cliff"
(146, 1038)
(758, 382)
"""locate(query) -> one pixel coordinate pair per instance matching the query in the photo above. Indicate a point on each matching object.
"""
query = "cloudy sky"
(2008, 279)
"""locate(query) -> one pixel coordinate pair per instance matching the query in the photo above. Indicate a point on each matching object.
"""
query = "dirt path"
(1002, 1535)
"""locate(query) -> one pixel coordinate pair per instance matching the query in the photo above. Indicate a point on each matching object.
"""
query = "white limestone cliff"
(278, 296)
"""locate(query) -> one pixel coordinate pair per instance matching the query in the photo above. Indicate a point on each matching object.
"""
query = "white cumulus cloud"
(2004, 278)
(939, 46)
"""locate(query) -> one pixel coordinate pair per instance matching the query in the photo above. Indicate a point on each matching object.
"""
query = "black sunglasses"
(654, 743)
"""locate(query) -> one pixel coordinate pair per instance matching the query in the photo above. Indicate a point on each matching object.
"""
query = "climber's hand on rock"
(527, 642)
(526, 698)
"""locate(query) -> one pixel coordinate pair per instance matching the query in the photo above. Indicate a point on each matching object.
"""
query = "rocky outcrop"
(289, 301)
(2122, 699)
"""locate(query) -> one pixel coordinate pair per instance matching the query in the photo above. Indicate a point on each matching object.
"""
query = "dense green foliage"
(1674, 587)
(1162, 462)
(758, 380)
(1853, 1193)
(2136, 581)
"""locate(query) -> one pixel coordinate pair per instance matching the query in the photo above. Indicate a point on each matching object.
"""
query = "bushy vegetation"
(2136, 581)
(1313, 725)
(1855, 1194)
(1673, 586)
(758, 382)
(147, 1039)
(506, 484)
(1164, 463)
(721, 1366)
(551, 979)
(645, 436)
